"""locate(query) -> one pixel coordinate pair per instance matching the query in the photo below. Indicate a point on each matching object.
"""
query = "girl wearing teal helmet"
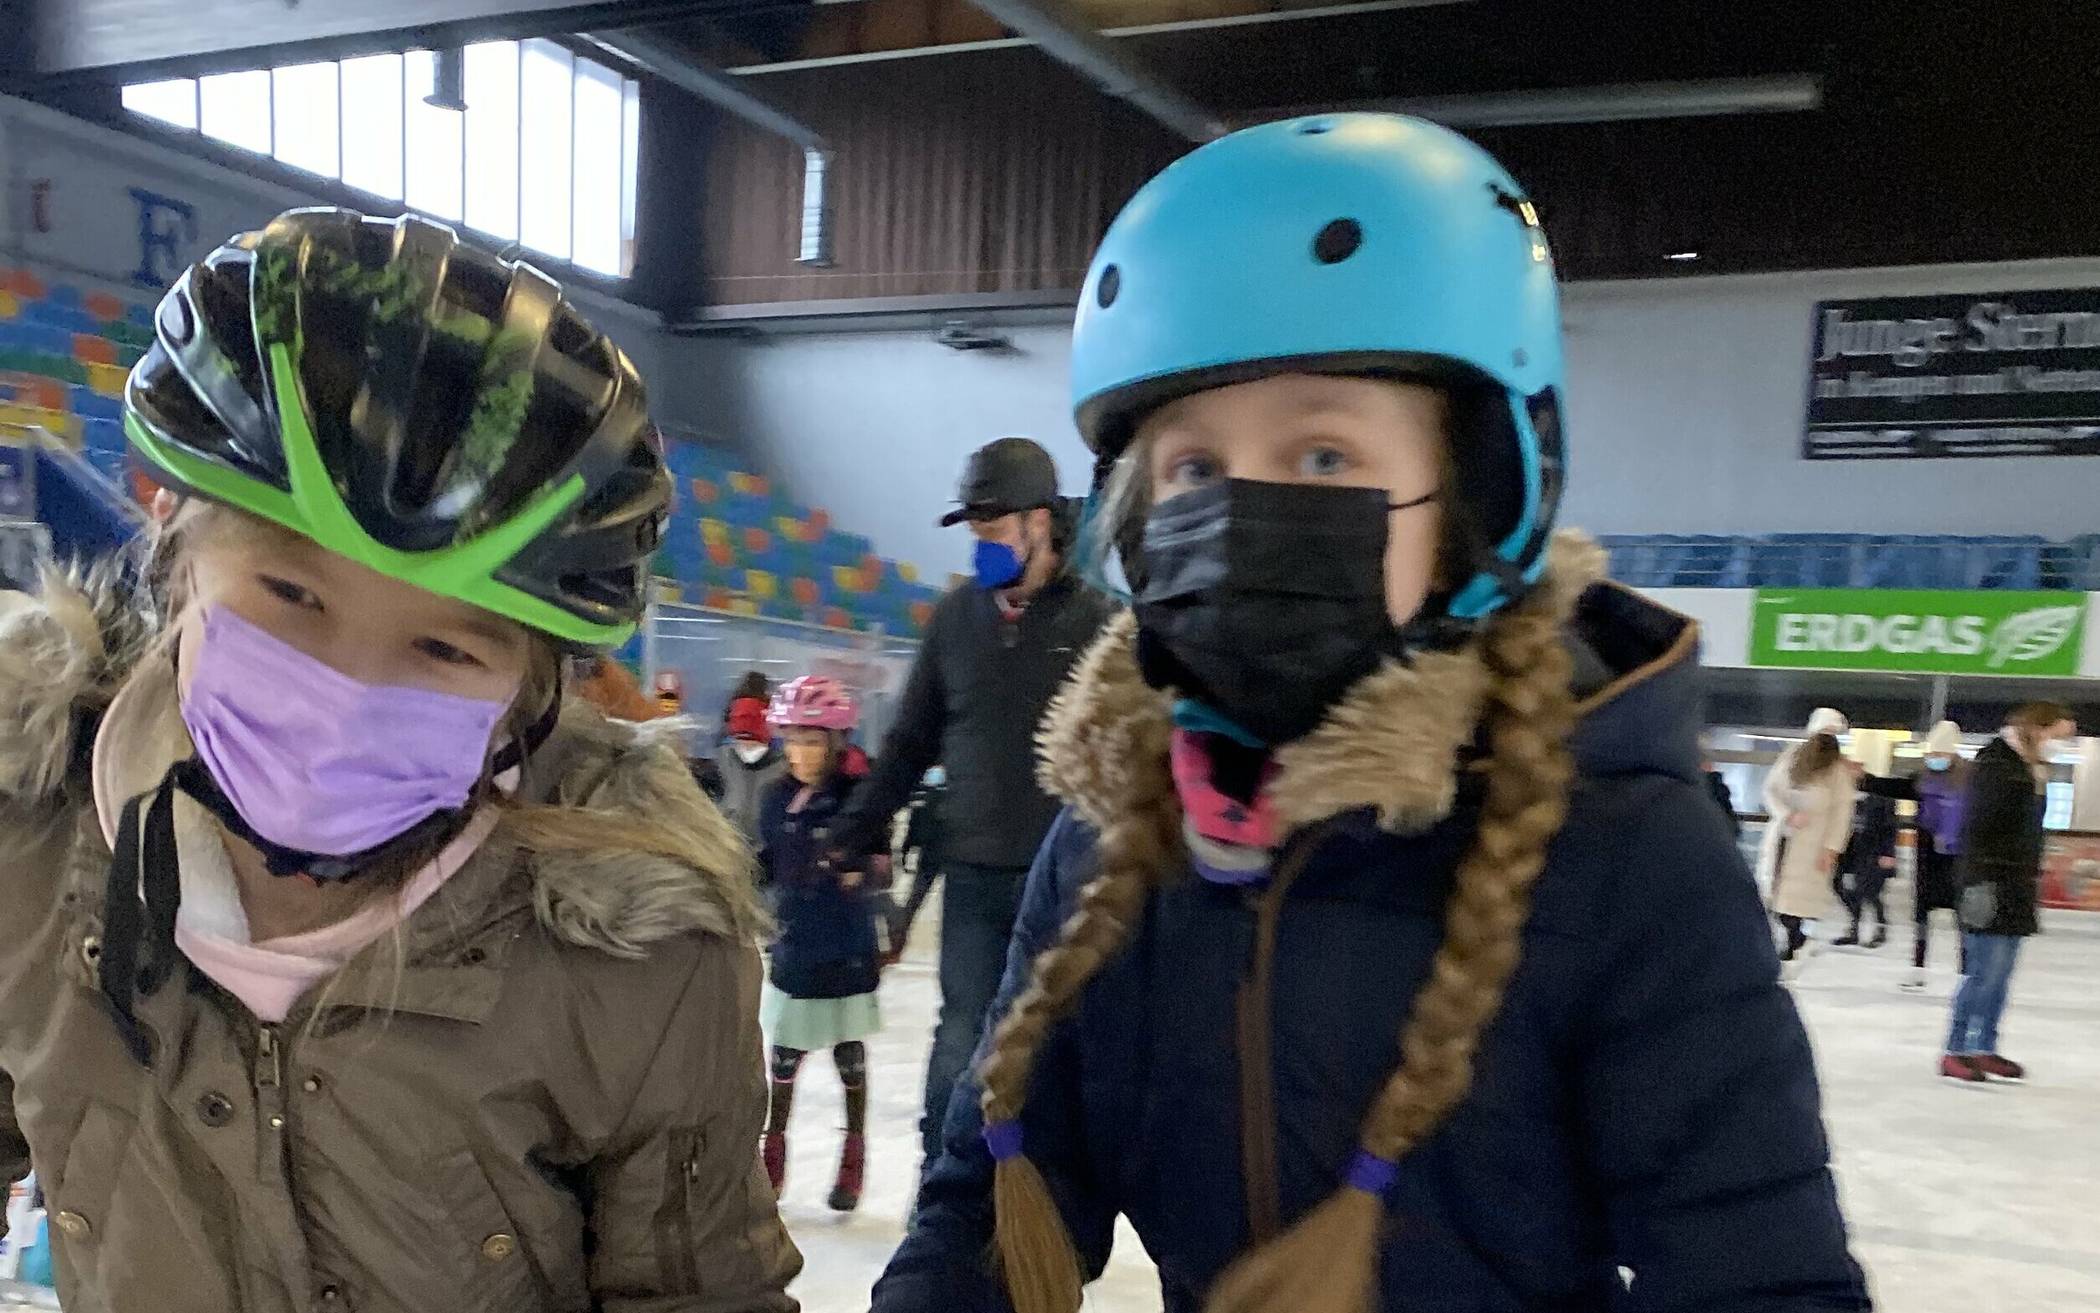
(347, 966)
(1389, 954)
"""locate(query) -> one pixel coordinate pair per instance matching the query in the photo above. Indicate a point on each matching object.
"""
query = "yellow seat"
(107, 380)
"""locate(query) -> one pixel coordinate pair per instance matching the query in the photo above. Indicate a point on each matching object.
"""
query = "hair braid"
(1327, 1262)
(1138, 849)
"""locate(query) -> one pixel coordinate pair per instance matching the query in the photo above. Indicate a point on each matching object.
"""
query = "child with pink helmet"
(826, 960)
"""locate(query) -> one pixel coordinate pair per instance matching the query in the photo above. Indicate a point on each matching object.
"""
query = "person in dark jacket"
(821, 992)
(1389, 954)
(2001, 864)
(1717, 785)
(996, 649)
(1869, 861)
(1941, 796)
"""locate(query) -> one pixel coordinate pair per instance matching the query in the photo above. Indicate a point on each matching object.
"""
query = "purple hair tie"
(1371, 1174)
(1003, 1139)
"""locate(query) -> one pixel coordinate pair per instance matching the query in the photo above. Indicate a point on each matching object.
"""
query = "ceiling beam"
(1231, 14)
(1065, 36)
(1790, 93)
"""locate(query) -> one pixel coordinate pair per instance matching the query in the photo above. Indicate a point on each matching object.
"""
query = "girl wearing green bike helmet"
(349, 966)
(1389, 954)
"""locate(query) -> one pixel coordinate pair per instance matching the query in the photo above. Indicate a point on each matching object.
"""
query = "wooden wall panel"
(985, 173)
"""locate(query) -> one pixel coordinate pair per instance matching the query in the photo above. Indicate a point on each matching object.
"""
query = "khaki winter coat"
(1809, 821)
(554, 1107)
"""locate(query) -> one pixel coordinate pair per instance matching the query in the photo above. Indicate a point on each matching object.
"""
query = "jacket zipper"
(269, 1101)
(1257, 1049)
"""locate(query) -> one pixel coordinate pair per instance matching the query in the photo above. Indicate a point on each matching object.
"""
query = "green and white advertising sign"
(1918, 631)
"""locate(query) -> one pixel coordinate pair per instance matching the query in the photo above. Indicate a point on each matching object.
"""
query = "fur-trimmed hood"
(67, 652)
(1392, 745)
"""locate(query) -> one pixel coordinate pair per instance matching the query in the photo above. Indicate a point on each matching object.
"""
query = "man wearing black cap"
(997, 649)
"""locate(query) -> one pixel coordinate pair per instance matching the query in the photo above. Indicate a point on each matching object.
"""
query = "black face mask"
(1266, 600)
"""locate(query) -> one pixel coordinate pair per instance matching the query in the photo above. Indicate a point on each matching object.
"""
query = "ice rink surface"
(1961, 1199)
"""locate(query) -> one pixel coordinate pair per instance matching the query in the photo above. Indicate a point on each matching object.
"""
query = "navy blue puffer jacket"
(826, 942)
(1645, 1099)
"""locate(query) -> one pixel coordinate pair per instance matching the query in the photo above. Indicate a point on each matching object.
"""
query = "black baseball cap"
(1012, 474)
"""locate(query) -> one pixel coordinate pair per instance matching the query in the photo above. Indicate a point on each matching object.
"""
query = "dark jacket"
(1936, 843)
(826, 942)
(1718, 787)
(2002, 839)
(974, 699)
(1874, 831)
(1645, 1097)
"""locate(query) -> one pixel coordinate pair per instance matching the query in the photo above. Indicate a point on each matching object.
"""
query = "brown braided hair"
(1326, 1263)
(1140, 848)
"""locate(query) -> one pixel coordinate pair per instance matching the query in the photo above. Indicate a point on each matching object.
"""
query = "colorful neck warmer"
(1230, 841)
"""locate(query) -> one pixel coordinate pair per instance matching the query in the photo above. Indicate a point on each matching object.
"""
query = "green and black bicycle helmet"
(416, 404)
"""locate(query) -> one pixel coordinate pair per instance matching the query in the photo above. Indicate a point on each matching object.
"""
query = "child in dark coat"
(1390, 955)
(821, 994)
(1870, 859)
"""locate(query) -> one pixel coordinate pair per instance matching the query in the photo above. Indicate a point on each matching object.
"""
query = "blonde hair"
(1327, 1262)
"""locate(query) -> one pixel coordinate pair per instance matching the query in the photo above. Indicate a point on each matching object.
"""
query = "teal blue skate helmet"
(1368, 244)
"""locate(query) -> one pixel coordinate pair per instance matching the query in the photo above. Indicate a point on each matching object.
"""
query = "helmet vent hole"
(1109, 287)
(1338, 241)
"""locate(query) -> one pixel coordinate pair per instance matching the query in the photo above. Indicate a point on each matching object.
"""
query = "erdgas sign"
(1927, 632)
(2004, 374)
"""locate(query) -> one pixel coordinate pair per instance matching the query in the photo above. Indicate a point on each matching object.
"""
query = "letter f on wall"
(166, 225)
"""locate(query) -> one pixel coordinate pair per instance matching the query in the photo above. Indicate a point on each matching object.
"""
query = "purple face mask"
(317, 761)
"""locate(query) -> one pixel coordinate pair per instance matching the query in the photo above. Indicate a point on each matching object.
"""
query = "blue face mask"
(1937, 763)
(996, 565)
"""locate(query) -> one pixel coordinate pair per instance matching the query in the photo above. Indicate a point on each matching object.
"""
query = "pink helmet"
(814, 702)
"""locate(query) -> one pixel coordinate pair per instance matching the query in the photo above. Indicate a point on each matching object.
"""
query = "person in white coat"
(1809, 795)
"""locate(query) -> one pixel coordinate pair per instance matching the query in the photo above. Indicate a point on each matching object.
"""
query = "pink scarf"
(1230, 841)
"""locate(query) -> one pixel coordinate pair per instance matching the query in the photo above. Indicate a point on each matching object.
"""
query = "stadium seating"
(63, 359)
(741, 546)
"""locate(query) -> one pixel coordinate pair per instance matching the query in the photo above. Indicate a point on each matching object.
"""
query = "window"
(492, 138)
(372, 144)
(546, 80)
(309, 117)
(600, 126)
(435, 140)
(173, 102)
(235, 108)
(630, 166)
(545, 154)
